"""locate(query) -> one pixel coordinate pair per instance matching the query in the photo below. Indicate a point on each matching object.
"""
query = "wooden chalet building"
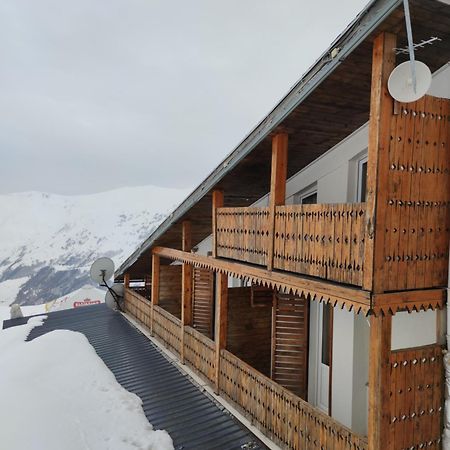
(306, 277)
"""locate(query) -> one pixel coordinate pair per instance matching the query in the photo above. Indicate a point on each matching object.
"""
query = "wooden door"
(203, 301)
(290, 343)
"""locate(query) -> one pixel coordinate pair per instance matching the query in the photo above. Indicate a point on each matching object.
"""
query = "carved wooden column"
(381, 106)
(217, 202)
(277, 186)
(126, 280)
(379, 382)
(155, 287)
(221, 322)
(126, 285)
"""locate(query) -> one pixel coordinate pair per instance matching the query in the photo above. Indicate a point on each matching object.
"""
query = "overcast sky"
(96, 95)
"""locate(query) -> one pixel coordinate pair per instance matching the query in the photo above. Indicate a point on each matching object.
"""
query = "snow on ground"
(26, 311)
(9, 290)
(53, 398)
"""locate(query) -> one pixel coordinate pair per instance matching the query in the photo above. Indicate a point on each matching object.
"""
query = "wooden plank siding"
(416, 210)
(290, 343)
(249, 329)
(170, 289)
(203, 301)
(138, 306)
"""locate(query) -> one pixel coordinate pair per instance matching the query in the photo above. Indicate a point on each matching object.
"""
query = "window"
(306, 196)
(362, 179)
(310, 199)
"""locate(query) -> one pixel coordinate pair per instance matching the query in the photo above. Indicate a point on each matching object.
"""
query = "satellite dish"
(400, 83)
(110, 301)
(102, 270)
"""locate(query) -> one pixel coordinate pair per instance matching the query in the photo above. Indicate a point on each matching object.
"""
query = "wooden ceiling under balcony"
(334, 110)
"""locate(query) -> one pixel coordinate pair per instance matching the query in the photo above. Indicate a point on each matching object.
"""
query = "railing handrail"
(299, 206)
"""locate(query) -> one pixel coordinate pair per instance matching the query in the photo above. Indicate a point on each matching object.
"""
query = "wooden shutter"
(290, 343)
(203, 301)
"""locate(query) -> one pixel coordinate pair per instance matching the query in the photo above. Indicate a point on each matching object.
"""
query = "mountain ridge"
(50, 240)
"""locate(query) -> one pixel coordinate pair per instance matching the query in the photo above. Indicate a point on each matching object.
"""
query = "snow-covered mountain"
(48, 242)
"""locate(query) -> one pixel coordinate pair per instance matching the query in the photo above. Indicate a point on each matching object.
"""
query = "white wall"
(342, 369)
(360, 392)
(205, 246)
(414, 329)
(440, 86)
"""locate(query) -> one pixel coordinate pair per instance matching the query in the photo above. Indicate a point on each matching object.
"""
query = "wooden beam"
(381, 107)
(277, 186)
(217, 202)
(221, 322)
(390, 303)
(155, 287)
(126, 280)
(336, 294)
(186, 284)
(379, 382)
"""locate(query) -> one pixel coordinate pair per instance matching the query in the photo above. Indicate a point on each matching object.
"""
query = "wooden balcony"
(325, 240)
(287, 419)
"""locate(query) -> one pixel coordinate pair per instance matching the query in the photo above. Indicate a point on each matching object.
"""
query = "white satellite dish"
(102, 270)
(401, 85)
(110, 301)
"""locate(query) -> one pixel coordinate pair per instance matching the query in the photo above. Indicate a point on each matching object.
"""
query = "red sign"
(86, 302)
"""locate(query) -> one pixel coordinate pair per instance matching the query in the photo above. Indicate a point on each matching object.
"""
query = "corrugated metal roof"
(171, 400)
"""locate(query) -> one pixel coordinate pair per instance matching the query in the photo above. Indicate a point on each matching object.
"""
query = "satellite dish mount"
(410, 80)
(101, 271)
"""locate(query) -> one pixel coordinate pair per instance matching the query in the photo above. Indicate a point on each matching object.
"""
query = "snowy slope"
(58, 394)
(48, 242)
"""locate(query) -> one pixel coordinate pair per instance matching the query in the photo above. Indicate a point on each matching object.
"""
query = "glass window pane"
(363, 181)
(310, 199)
(326, 335)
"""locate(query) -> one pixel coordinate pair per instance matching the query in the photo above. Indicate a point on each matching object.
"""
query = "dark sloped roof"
(171, 401)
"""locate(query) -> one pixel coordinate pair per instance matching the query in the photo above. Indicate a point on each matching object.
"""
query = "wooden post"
(186, 285)
(221, 322)
(277, 186)
(217, 202)
(381, 107)
(155, 287)
(126, 285)
(379, 382)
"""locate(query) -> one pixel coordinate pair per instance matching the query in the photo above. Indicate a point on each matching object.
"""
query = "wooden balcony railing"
(243, 234)
(287, 419)
(325, 241)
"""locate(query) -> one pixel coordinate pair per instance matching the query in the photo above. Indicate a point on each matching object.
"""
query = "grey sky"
(96, 95)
